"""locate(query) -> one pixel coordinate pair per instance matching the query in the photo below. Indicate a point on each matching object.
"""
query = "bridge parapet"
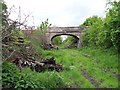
(63, 29)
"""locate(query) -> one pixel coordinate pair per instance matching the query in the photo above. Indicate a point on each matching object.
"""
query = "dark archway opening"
(65, 41)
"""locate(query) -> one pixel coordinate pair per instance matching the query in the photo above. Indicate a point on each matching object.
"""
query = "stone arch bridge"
(72, 31)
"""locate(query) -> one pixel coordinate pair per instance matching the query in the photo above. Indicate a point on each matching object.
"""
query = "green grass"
(80, 66)
(102, 65)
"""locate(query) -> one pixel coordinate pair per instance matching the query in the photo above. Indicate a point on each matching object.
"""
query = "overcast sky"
(59, 12)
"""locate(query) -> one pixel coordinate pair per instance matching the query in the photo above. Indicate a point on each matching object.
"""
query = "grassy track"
(83, 68)
(87, 68)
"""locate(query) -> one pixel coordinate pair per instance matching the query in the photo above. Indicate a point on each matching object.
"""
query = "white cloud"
(59, 12)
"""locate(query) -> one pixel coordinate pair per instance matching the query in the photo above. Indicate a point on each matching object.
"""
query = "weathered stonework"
(56, 31)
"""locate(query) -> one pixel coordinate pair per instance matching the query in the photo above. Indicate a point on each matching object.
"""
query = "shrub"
(13, 78)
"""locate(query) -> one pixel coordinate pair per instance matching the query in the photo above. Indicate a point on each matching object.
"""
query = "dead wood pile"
(45, 64)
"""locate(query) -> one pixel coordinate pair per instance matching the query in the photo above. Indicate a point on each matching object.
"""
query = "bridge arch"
(57, 31)
(76, 37)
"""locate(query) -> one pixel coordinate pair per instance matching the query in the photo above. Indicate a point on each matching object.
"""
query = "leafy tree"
(91, 20)
(112, 23)
(90, 35)
(44, 26)
(104, 32)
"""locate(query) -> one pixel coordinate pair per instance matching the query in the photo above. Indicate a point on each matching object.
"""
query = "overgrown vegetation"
(57, 40)
(41, 31)
(83, 68)
(13, 78)
(87, 67)
(70, 42)
(104, 32)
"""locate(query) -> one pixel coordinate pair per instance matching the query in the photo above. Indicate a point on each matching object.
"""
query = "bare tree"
(9, 28)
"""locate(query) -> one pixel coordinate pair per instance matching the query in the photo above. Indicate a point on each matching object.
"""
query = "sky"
(61, 13)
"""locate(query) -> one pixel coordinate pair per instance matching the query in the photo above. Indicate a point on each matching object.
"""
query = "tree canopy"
(104, 32)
